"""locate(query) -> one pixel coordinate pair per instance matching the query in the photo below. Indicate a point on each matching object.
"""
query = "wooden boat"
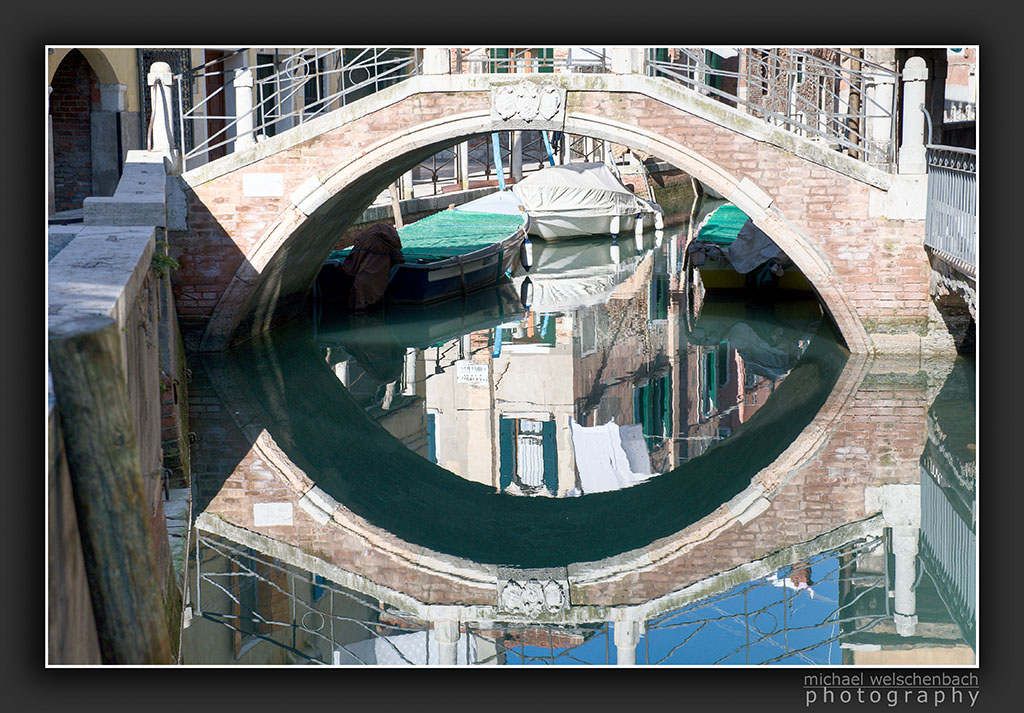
(579, 199)
(447, 254)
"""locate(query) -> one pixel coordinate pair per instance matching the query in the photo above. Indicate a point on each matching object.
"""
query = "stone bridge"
(253, 228)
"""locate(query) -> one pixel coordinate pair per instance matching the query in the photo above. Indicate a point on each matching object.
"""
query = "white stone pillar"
(904, 548)
(626, 60)
(245, 117)
(409, 372)
(160, 81)
(628, 630)
(436, 60)
(516, 149)
(900, 505)
(405, 183)
(912, 152)
(446, 632)
(463, 151)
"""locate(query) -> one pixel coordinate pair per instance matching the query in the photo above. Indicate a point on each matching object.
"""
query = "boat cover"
(456, 232)
(610, 457)
(722, 225)
(368, 266)
(751, 248)
(581, 190)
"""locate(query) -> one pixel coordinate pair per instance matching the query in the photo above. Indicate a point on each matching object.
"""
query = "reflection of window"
(587, 319)
(652, 407)
(256, 587)
(709, 386)
(528, 455)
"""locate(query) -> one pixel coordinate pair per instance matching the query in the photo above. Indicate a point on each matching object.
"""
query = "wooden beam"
(102, 453)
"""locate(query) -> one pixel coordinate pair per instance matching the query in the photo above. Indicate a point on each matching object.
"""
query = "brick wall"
(881, 264)
(71, 101)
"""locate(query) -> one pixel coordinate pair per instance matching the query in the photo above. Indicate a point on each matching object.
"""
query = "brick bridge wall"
(243, 256)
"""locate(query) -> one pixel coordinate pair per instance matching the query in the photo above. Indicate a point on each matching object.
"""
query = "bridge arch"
(303, 234)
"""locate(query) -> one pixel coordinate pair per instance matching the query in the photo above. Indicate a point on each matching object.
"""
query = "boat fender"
(526, 293)
(526, 254)
(615, 252)
(615, 225)
(659, 220)
(639, 243)
(638, 227)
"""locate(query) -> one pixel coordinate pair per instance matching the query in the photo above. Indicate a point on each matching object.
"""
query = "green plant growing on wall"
(162, 263)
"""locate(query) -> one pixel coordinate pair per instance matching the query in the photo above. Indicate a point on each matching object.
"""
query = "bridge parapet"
(836, 97)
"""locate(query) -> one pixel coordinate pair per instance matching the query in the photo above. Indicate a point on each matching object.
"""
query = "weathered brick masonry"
(879, 265)
(224, 225)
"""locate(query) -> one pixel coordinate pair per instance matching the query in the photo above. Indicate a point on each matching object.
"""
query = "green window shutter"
(498, 53)
(506, 450)
(547, 56)
(550, 446)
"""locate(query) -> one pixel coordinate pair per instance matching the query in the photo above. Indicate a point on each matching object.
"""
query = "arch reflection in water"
(633, 568)
(591, 386)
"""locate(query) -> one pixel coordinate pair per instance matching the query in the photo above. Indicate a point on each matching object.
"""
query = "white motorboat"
(578, 199)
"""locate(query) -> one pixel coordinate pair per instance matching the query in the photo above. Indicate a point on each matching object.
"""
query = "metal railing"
(951, 228)
(820, 93)
(826, 94)
(287, 91)
(491, 60)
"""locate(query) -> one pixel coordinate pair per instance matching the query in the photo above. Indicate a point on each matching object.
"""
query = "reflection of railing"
(820, 93)
(948, 548)
(952, 209)
(770, 619)
(263, 599)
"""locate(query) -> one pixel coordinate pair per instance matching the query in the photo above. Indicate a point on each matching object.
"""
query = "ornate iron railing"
(819, 93)
(287, 91)
(500, 60)
(822, 93)
(951, 216)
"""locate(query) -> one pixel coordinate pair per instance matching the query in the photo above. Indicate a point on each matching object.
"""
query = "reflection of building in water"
(595, 388)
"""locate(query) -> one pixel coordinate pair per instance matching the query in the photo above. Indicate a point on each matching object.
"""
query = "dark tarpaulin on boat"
(374, 252)
(751, 248)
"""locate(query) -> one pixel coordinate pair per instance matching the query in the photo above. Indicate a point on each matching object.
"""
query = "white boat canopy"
(578, 190)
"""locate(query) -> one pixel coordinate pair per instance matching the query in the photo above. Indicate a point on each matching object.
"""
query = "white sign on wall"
(267, 514)
(263, 185)
(469, 372)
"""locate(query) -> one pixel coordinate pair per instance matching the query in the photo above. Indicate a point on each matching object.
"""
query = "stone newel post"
(436, 60)
(160, 81)
(446, 632)
(244, 108)
(628, 630)
(912, 152)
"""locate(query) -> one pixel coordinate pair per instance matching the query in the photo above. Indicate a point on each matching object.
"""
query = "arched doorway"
(74, 91)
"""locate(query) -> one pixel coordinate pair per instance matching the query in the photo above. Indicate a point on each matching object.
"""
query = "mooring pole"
(103, 460)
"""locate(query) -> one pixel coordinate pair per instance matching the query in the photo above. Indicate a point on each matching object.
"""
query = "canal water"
(599, 435)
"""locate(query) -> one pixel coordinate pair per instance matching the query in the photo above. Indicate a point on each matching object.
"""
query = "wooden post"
(103, 460)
